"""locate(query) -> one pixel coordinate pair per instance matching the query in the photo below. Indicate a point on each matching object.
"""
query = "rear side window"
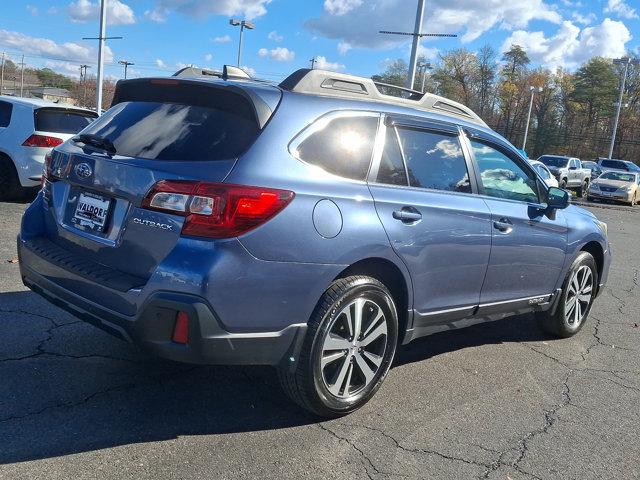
(434, 160)
(614, 164)
(5, 114)
(342, 146)
(391, 170)
(176, 131)
(61, 121)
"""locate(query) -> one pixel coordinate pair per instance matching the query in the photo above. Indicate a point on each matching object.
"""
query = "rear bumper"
(152, 329)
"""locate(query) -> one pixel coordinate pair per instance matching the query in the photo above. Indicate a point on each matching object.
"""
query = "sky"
(162, 36)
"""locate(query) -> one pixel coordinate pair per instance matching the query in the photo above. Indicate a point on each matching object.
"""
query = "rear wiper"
(97, 141)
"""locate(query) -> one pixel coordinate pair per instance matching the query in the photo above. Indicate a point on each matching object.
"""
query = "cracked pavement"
(493, 401)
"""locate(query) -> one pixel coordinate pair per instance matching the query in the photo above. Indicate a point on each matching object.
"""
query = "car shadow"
(93, 392)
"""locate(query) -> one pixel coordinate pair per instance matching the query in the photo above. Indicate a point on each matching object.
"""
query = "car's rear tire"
(349, 346)
(578, 292)
(9, 183)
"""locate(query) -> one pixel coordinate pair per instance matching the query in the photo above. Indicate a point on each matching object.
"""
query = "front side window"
(342, 146)
(434, 160)
(501, 176)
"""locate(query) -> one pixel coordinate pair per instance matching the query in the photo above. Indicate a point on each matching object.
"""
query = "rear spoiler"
(199, 92)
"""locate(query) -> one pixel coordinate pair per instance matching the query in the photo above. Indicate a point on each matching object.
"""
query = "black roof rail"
(323, 82)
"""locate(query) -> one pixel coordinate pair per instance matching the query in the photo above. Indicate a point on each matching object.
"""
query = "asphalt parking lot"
(494, 401)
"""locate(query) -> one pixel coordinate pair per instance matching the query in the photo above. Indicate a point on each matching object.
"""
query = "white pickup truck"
(569, 172)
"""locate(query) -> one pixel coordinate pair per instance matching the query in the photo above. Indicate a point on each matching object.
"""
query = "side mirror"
(557, 199)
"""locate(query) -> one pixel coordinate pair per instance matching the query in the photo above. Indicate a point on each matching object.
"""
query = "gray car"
(315, 225)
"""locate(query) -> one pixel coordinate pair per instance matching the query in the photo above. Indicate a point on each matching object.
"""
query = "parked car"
(544, 173)
(29, 129)
(569, 172)
(616, 185)
(596, 170)
(313, 225)
(620, 165)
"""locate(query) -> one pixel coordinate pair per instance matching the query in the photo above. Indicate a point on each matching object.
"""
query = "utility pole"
(83, 78)
(533, 90)
(2, 75)
(22, 76)
(416, 42)
(626, 61)
(126, 64)
(101, 39)
(313, 62)
(243, 24)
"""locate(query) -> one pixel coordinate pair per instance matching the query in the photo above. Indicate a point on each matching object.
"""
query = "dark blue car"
(314, 225)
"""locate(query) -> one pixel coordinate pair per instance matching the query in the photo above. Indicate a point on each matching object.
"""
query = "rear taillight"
(46, 172)
(216, 210)
(42, 141)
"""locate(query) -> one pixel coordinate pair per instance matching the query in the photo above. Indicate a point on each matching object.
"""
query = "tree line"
(573, 114)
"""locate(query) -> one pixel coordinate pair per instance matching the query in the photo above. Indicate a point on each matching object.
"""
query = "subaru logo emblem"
(83, 170)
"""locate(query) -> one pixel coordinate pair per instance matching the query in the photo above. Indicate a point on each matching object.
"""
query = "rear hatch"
(157, 129)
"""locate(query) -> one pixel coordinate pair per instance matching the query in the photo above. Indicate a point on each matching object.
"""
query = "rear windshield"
(173, 131)
(614, 164)
(550, 161)
(58, 120)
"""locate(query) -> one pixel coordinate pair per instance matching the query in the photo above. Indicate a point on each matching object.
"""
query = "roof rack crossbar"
(323, 82)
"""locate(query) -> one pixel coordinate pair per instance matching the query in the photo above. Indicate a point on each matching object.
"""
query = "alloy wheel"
(353, 348)
(579, 295)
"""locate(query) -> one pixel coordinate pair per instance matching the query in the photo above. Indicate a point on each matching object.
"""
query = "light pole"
(423, 67)
(626, 61)
(533, 91)
(101, 39)
(243, 24)
(126, 64)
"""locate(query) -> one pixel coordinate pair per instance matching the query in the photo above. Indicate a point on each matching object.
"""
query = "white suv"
(29, 129)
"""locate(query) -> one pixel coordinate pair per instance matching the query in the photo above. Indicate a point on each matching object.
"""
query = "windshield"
(551, 161)
(618, 176)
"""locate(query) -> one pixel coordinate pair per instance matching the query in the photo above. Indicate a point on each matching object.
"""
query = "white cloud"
(583, 19)
(430, 53)
(66, 68)
(249, 70)
(53, 11)
(323, 64)
(208, 57)
(570, 46)
(471, 18)
(343, 47)
(118, 13)
(275, 37)
(160, 63)
(279, 54)
(621, 9)
(32, 10)
(248, 9)
(158, 15)
(44, 47)
(223, 39)
(341, 7)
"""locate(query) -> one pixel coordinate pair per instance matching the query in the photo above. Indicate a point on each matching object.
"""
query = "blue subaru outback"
(314, 225)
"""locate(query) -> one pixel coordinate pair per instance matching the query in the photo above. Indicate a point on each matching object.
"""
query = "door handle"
(407, 215)
(504, 225)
